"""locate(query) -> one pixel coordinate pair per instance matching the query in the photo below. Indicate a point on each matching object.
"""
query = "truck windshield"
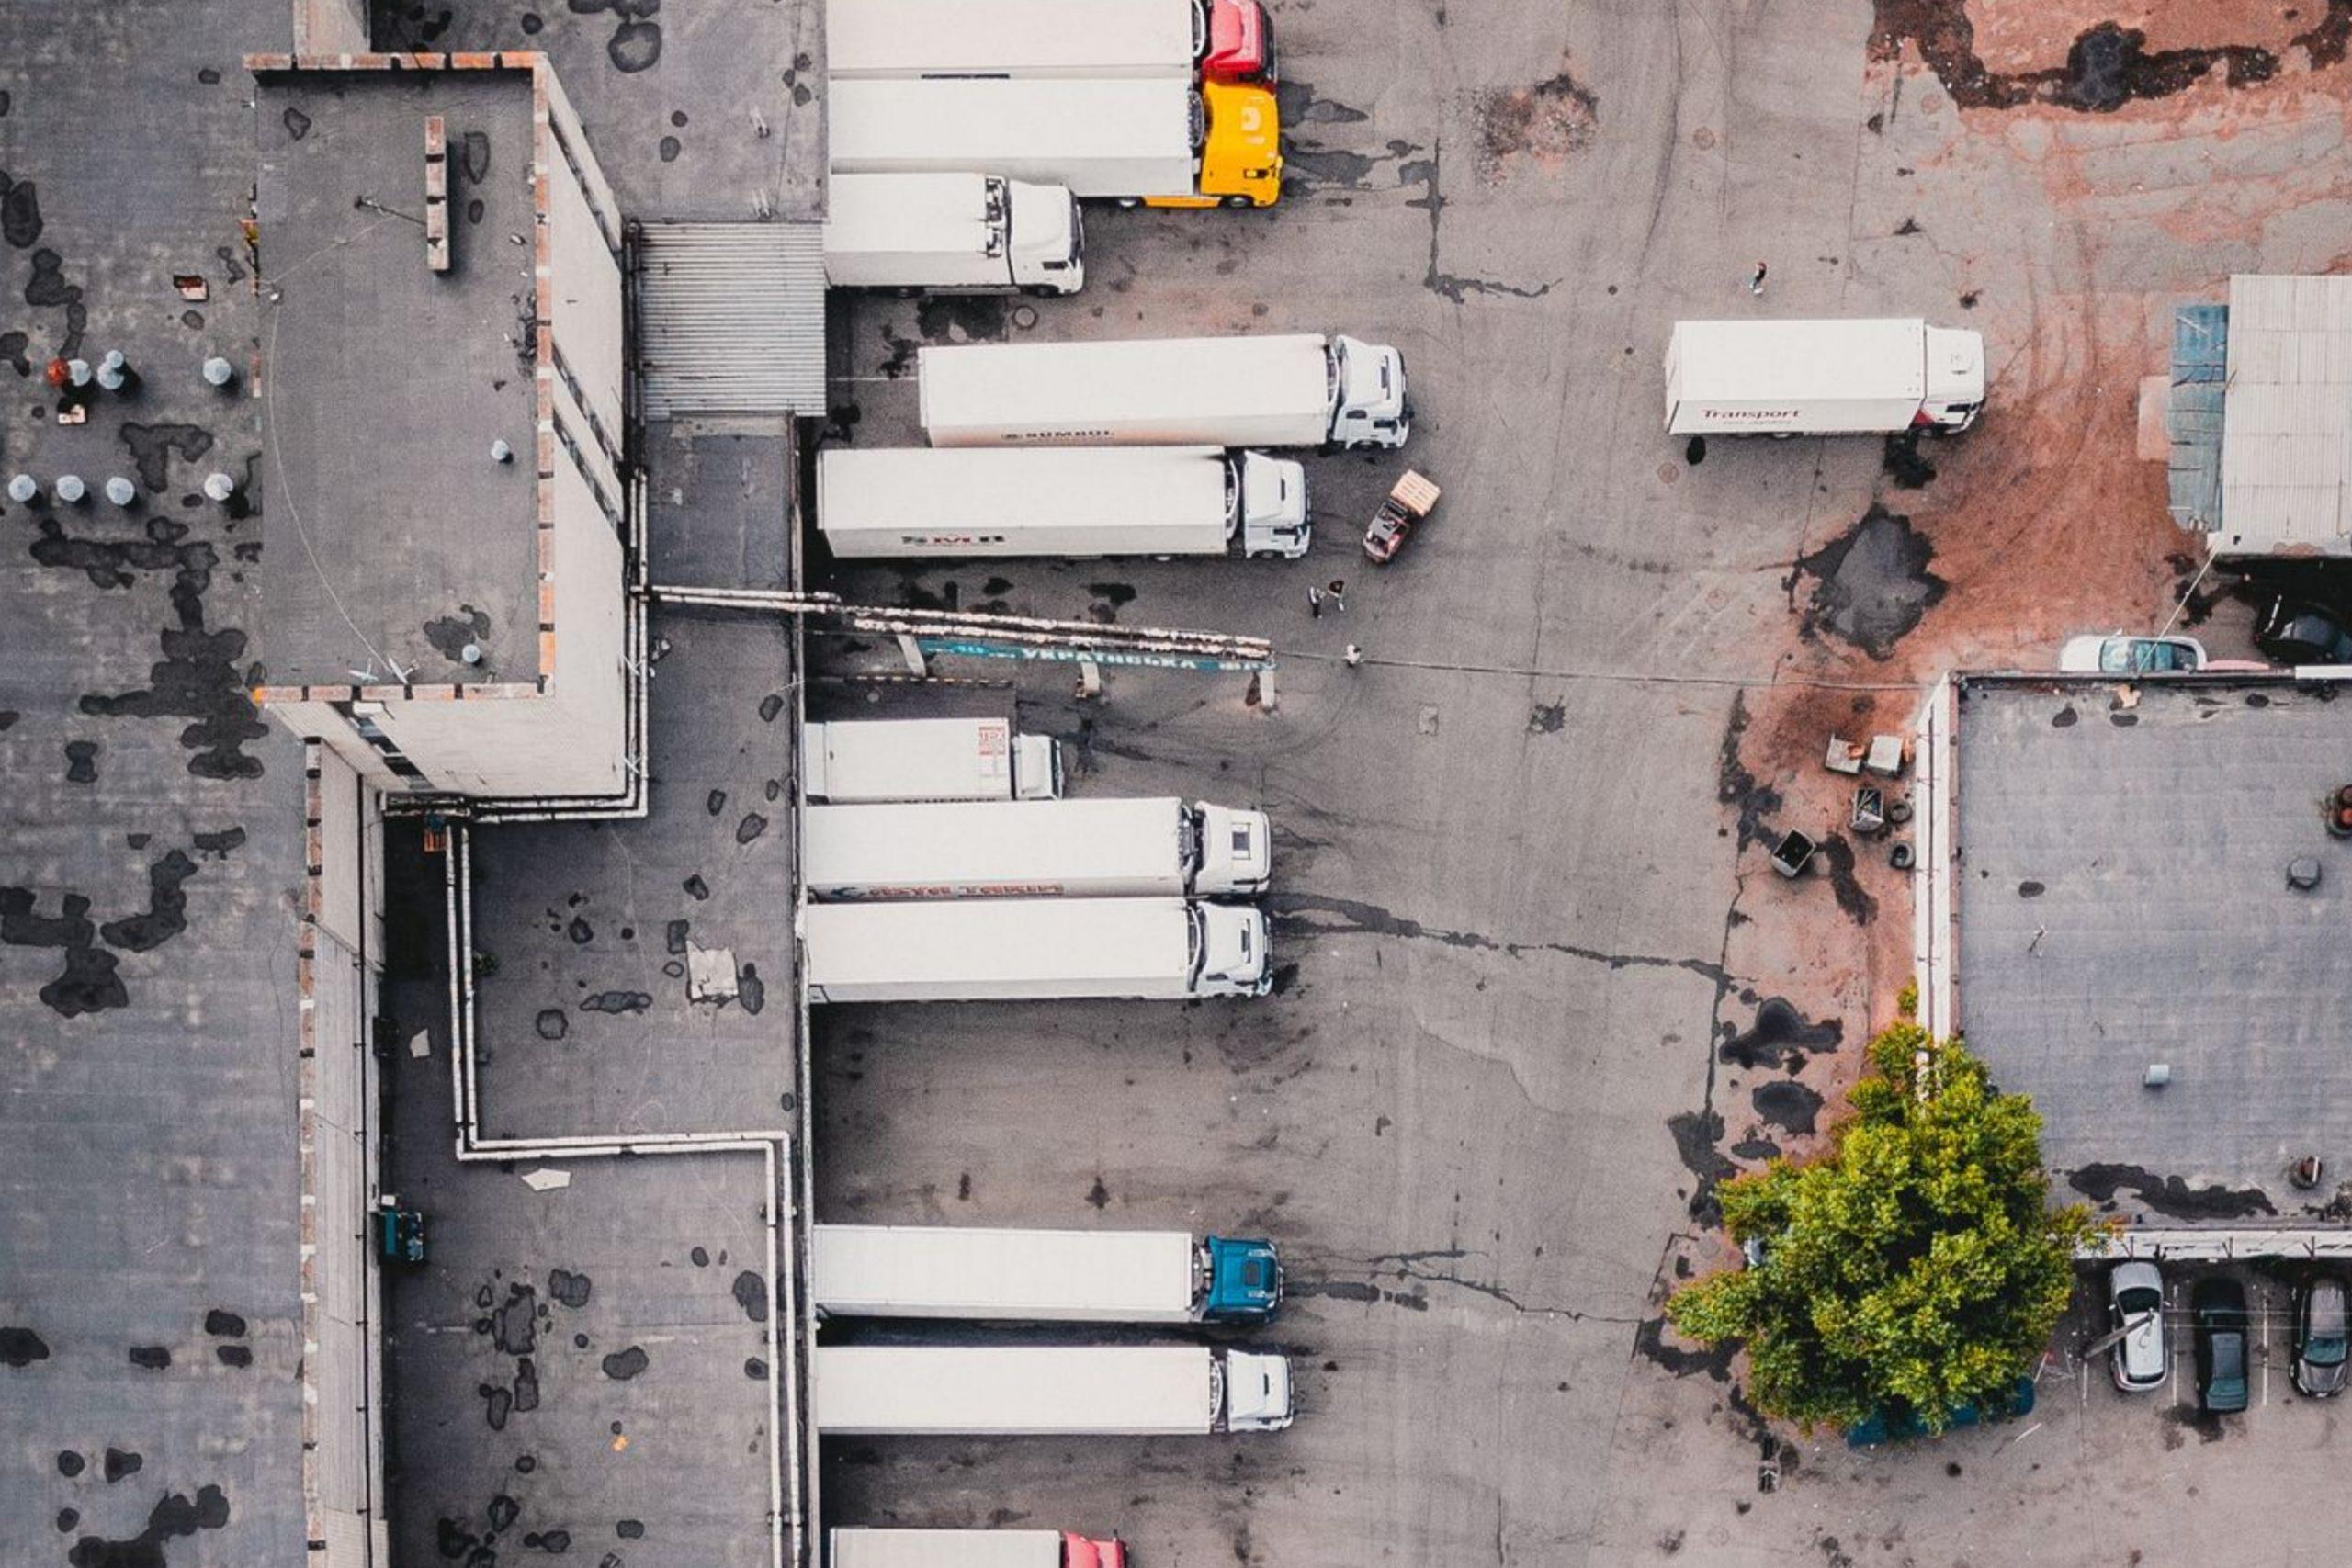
(1232, 493)
(1196, 933)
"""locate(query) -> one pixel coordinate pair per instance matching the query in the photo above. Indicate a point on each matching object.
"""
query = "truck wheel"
(1238, 202)
(1130, 202)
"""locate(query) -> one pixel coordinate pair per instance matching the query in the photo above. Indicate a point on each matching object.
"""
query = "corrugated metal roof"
(731, 318)
(2286, 448)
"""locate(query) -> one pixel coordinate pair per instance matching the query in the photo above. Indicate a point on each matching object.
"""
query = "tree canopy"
(1916, 1266)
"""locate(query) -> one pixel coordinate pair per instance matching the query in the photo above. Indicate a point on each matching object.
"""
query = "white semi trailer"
(966, 950)
(911, 502)
(874, 761)
(953, 233)
(1041, 37)
(1841, 377)
(855, 1548)
(1047, 1390)
(1161, 143)
(1151, 847)
(1291, 389)
(988, 1275)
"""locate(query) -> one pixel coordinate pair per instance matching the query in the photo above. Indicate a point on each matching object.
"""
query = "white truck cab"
(1257, 1392)
(1269, 495)
(1369, 403)
(1233, 853)
(1230, 951)
(1955, 379)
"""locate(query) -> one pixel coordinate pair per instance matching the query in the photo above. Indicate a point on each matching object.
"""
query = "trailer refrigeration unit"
(1291, 389)
(1047, 849)
(883, 760)
(1039, 1276)
(1014, 949)
(1223, 41)
(857, 1547)
(1821, 377)
(953, 234)
(1142, 1390)
(1148, 142)
(1070, 502)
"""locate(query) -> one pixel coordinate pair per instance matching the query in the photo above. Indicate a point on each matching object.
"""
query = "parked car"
(2218, 1309)
(2121, 655)
(2299, 634)
(1883, 1425)
(2135, 1302)
(2323, 1336)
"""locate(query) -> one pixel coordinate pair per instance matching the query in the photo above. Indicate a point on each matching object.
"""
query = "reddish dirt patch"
(1543, 124)
(2017, 36)
(2112, 63)
(2044, 523)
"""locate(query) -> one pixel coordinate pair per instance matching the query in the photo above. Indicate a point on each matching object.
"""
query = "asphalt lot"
(1530, 952)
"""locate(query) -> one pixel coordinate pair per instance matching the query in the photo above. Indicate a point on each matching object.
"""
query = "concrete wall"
(585, 278)
(342, 1363)
(330, 27)
(572, 741)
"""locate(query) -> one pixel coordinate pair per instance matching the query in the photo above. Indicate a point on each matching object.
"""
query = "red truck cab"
(1241, 44)
(1080, 1551)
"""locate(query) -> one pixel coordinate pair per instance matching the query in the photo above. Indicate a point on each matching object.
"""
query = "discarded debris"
(546, 1179)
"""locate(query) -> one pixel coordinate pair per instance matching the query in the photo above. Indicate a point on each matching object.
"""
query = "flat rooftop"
(2121, 899)
(589, 1021)
(393, 537)
(577, 1367)
(149, 1336)
(697, 113)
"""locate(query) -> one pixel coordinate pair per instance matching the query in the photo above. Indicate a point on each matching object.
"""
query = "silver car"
(2322, 1327)
(2135, 1304)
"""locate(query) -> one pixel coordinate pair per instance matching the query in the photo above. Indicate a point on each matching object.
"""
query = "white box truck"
(955, 234)
(1226, 40)
(1136, 848)
(977, 950)
(910, 502)
(1290, 390)
(1142, 1390)
(851, 1547)
(1037, 1276)
(878, 759)
(1846, 377)
(1158, 143)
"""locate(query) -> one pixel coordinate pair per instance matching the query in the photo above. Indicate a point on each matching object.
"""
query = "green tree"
(1915, 1266)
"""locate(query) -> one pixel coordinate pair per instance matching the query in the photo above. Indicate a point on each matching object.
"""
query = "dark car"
(2218, 1308)
(2293, 633)
(2323, 1335)
(1883, 1425)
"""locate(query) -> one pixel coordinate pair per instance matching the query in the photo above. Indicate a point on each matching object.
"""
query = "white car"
(2135, 1304)
(2121, 655)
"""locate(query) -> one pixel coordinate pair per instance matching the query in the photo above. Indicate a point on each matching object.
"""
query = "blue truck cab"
(1242, 1280)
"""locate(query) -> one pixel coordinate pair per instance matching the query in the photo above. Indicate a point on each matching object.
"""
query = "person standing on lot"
(1353, 657)
(1315, 600)
(1338, 589)
(1756, 284)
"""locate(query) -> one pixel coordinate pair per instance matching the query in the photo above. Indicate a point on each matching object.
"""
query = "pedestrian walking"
(1315, 600)
(1337, 591)
(1756, 284)
(1353, 657)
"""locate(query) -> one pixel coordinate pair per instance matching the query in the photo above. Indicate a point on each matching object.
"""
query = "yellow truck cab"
(1240, 149)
